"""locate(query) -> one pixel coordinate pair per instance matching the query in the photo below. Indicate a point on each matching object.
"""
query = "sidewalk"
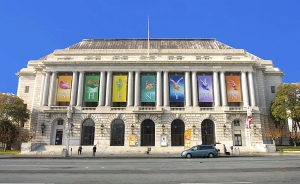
(135, 155)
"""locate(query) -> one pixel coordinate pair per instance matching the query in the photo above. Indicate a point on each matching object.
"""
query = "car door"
(201, 150)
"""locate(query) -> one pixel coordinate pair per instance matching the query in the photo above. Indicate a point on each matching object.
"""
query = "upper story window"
(26, 89)
(272, 89)
(125, 58)
(60, 122)
(179, 57)
(198, 57)
(236, 123)
(171, 57)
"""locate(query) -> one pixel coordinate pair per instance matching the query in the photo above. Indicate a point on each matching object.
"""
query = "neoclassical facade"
(122, 92)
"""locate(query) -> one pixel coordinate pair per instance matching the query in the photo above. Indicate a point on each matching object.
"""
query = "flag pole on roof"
(148, 35)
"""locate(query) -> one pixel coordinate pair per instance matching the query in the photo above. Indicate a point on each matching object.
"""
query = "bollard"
(148, 152)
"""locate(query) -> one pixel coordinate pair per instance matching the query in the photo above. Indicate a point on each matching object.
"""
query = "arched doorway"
(88, 132)
(148, 133)
(208, 131)
(57, 132)
(117, 133)
(177, 133)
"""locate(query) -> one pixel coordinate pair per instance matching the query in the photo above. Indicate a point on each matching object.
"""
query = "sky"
(32, 29)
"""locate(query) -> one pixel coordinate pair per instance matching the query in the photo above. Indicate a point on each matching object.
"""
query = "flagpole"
(148, 36)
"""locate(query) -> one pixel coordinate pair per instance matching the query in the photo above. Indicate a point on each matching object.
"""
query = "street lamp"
(224, 128)
(194, 128)
(163, 128)
(254, 129)
(102, 128)
(132, 128)
(43, 126)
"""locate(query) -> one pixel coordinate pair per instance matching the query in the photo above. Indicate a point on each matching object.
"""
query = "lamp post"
(224, 129)
(102, 128)
(163, 128)
(43, 128)
(194, 129)
(132, 128)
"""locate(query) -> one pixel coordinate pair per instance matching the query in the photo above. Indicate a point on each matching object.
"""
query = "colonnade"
(162, 89)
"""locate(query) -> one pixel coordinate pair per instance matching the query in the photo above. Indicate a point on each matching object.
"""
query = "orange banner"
(187, 138)
(64, 89)
(233, 86)
(132, 140)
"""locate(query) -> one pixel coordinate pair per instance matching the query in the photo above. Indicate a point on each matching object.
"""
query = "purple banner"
(205, 89)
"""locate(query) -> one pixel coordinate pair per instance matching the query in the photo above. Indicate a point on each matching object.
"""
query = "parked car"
(201, 151)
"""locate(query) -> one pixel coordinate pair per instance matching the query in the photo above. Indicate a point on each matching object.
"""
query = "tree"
(8, 133)
(274, 131)
(13, 109)
(287, 105)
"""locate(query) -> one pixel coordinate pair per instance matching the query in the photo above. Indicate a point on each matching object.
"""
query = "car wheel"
(210, 155)
(189, 156)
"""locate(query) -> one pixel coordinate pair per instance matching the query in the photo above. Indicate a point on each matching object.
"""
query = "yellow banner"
(119, 89)
(233, 86)
(132, 139)
(64, 89)
(187, 138)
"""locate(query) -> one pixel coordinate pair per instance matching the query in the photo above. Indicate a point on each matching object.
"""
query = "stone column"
(223, 89)
(137, 92)
(245, 90)
(216, 89)
(108, 89)
(74, 88)
(53, 88)
(158, 89)
(46, 89)
(195, 90)
(80, 89)
(130, 89)
(102, 88)
(166, 89)
(251, 88)
(187, 83)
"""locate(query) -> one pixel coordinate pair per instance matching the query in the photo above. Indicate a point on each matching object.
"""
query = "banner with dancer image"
(205, 89)
(91, 88)
(119, 89)
(233, 86)
(64, 89)
(148, 88)
(176, 89)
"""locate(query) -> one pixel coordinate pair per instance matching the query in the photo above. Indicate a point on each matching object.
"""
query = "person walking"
(94, 150)
(79, 150)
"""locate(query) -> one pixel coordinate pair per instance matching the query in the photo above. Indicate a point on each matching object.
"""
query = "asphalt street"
(263, 169)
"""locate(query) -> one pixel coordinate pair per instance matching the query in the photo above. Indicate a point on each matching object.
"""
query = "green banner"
(148, 89)
(91, 89)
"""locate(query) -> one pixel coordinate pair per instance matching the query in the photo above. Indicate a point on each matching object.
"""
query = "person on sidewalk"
(94, 150)
(79, 150)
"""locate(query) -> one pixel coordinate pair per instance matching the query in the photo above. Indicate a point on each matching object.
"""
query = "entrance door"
(148, 133)
(237, 140)
(58, 137)
(208, 131)
(177, 133)
(88, 132)
(117, 133)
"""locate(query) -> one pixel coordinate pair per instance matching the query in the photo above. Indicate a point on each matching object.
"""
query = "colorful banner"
(233, 86)
(205, 89)
(132, 140)
(119, 89)
(91, 89)
(148, 88)
(176, 89)
(64, 89)
(187, 138)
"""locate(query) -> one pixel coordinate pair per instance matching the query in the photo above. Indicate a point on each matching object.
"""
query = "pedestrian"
(79, 150)
(94, 150)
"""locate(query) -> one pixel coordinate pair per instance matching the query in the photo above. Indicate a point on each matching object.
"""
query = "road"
(244, 170)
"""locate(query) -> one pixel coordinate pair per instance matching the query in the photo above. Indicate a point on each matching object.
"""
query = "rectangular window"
(26, 89)
(236, 123)
(272, 89)
(171, 57)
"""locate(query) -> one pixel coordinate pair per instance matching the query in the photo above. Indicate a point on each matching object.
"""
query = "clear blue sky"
(31, 29)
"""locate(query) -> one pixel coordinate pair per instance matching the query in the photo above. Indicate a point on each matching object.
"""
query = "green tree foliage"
(287, 105)
(14, 111)
(8, 132)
